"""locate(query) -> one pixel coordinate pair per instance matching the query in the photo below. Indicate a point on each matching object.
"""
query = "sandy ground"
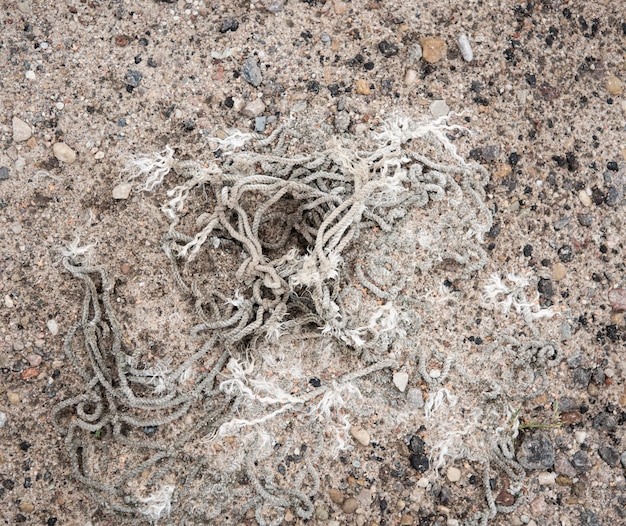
(543, 102)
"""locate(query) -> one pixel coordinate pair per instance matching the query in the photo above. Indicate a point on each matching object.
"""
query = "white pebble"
(360, 435)
(465, 47)
(584, 197)
(21, 130)
(580, 436)
(8, 302)
(546, 479)
(122, 191)
(3, 419)
(435, 373)
(401, 380)
(30, 75)
(53, 327)
(453, 474)
(439, 108)
(60, 105)
(64, 153)
(410, 77)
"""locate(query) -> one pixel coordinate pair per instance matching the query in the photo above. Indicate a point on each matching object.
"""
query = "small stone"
(604, 422)
(565, 253)
(27, 507)
(321, 513)
(21, 130)
(362, 87)
(251, 72)
(617, 298)
(4, 173)
(122, 191)
(64, 153)
(13, 397)
(585, 219)
(125, 268)
(20, 164)
(360, 435)
(133, 78)
(613, 195)
(580, 435)
(465, 47)
(3, 419)
(289, 516)
(340, 7)
(8, 302)
(18, 345)
(609, 455)
(419, 462)
(34, 360)
(407, 520)
(30, 75)
(453, 474)
(561, 223)
(401, 380)
(229, 24)
(536, 452)
(53, 327)
(350, 505)
(336, 496)
(253, 108)
(581, 377)
(439, 108)
(260, 123)
(614, 85)
(589, 518)
(491, 152)
(546, 479)
(558, 271)
(504, 498)
(593, 391)
(388, 49)
(585, 198)
(622, 459)
(273, 6)
(433, 49)
(581, 462)
(538, 506)
(410, 77)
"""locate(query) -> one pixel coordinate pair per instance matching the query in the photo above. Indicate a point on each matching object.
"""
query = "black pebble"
(609, 455)
(416, 444)
(4, 173)
(388, 49)
(150, 430)
(566, 254)
(8, 484)
(315, 382)
(528, 250)
(229, 24)
(419, 462)
(612, 165)
(545, 287)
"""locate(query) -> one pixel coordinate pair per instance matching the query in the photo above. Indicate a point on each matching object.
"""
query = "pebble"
(558, 271)
(3, 419)
(340, 7)
(336, 496)
(604, 422)
(617, 298)
(8, 302)
(564, 467)
(34, 360)
(581, 377)
(614, 85)
(4, 173)
(609, 455)
(536, 452)
(321, 513)
(30, 75)
(465, 47)
(362, 87)
(546, 479)
(562, 223)
(18, 345)
(13, 397)
(622, 459)
(122, 191)
(21, 130)
(581, 462)
(360, 435)
(125, 268)
(350, 505)
(585, 198)
(27, 507)
(538, 506)
(229, 24)
(415, 398)
(53, 327)
(439, 108)
(253, 108)
(401, 380)
(453, 474)
(585, 219)
(410, 77)
(133, 78)
(251, 72)
(20, 164)
(589, 518)
(433, 49)
(64, 153)
(260, 123)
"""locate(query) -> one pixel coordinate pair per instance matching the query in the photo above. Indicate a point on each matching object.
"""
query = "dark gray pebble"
(251, 72)
(536, 452)
(545, 287)
(575, 361)
(581, 462)
(229, 24)
(623, 459)
(581, 377)
(388, 49)
(416, 444)
(589, 518)
(612, 196)
(585, 219)
(133, 77)
(609, 455)
(150, 430)
(419, 462)
(567, 404)
(605, 422)
(491, 152)
(4, 173)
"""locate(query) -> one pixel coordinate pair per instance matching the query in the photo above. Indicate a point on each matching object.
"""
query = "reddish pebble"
(617, 297)
(29, 373)
(505, 499)
(125, 268)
